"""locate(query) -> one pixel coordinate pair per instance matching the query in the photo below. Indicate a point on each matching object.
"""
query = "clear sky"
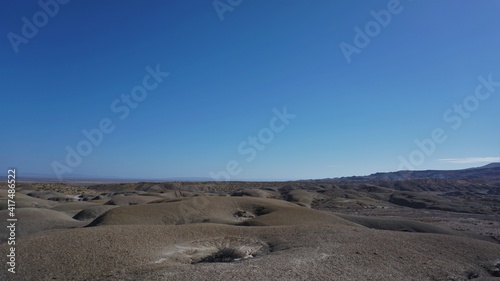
(358, 87)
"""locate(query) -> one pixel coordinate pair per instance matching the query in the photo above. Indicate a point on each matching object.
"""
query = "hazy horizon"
(29, 176)
(256, 90)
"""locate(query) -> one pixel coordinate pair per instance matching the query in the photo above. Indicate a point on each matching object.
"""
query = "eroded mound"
(252, 192)
(53, 196)
(249, 211)
(92, 212)
(302, 197)
(396, 224)
(132, 199)
(33, 220)
(25, 201)
(72, 206)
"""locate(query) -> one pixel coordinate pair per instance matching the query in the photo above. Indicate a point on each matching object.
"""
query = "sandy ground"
(192, 235)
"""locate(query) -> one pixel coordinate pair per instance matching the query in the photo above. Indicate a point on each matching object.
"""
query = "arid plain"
(406, 227)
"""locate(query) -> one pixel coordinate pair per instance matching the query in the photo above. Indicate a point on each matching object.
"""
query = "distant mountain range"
(487, 172)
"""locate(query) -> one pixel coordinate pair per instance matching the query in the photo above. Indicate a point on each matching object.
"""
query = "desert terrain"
(372, 228)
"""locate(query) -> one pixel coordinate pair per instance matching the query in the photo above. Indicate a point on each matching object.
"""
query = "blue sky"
(231, 68)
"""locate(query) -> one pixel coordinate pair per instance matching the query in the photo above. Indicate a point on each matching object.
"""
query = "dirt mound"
(256, 193)
(72, 206)
(396, 224)
(224, 210)
(92, 212)
(301, 197)
(33, 220)
(53, 196)
(121, 200)
(25, 201)
(425, 201)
